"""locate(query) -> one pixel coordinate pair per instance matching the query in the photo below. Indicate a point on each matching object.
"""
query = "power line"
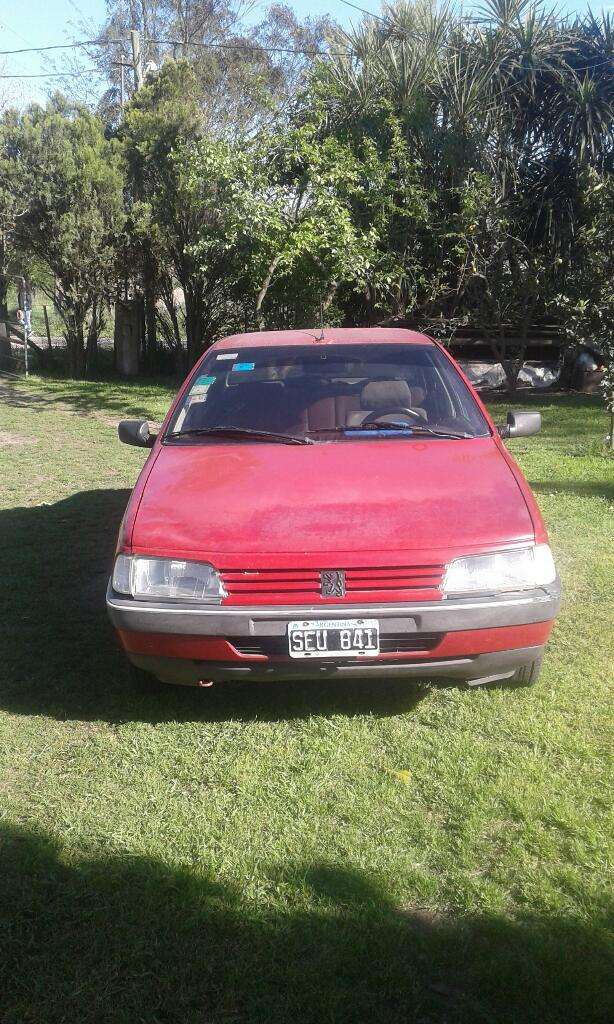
(18, 35)
(175, 42)
(220, 46)
(58, 74)
(362, 10)
(7, 28)
(63, 46)
(246, 46)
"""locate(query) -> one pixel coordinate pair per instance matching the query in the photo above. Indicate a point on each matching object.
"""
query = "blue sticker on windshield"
(204, 380)
(243, 367)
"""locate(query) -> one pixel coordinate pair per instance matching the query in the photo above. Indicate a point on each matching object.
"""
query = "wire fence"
(14, 354)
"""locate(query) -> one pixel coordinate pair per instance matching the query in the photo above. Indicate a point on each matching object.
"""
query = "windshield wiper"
(230, 431)
(396, 428)
(423, 429)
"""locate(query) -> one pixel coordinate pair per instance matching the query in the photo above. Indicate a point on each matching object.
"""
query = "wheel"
(526, 675)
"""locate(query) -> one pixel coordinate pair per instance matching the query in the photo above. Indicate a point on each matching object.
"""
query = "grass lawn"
(330, 853)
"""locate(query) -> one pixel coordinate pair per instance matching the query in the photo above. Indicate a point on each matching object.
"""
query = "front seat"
(386, 397)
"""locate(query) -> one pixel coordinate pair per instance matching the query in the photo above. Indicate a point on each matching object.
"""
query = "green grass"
(249, 854)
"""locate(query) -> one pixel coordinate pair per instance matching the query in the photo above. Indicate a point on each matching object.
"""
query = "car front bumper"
(480, 638)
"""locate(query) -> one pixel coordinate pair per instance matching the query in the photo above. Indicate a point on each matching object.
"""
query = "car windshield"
(330, 392)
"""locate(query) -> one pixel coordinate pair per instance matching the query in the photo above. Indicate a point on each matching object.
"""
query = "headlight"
(516, 569)
(166, 579)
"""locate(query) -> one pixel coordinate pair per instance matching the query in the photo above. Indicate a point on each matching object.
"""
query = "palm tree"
(512, 93)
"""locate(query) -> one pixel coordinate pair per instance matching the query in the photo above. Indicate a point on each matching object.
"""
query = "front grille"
(301, 583)
(293, 586)
(418, 577)
(390, 643)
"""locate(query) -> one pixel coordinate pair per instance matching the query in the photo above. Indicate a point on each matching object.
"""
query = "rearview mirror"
(135, 432)
(521, 424)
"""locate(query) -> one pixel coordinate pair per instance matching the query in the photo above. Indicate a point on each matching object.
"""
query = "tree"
(162, 121)
(11, 203)
(249, 70)
(607, 382)
(68, 178)
(503, 282)
(307, 243)
(503, 112)
(586, 307)
(279, 217)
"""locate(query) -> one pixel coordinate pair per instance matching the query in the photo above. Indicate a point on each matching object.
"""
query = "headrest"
(381, 395)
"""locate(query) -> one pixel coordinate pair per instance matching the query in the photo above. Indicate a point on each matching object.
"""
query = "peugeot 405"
(332, 503)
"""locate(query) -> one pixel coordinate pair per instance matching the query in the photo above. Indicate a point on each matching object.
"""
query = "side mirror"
(135, 432)
(521, 424)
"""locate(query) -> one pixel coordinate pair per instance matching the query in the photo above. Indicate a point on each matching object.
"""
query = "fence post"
(47, 327)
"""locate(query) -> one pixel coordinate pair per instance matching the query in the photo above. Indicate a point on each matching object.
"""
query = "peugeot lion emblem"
(332, 583)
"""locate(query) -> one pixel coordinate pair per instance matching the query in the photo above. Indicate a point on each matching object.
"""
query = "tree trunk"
(194, 325)
(4, 308)
(75, 349)
(264, 289)
(149, 295)
(172, 312)
(511, 369)
(330, 294)
(91, 354)
(4, 281)
(151, 326)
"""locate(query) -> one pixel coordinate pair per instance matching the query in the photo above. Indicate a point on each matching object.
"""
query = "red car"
(401, 540)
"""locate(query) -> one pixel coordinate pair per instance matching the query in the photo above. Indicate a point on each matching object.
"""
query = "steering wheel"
(376, 417)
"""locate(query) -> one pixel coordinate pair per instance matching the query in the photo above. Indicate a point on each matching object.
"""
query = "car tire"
(526, 675)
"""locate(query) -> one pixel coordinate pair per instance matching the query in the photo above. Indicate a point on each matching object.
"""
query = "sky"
(46, 22)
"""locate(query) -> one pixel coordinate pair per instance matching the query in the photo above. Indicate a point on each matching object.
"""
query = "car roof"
(332, 335)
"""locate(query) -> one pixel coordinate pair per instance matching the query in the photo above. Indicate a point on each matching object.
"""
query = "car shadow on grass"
(59, 655)
(116, 939)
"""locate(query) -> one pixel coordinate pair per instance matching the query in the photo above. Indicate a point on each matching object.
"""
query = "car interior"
(279, 405)
(299, 398)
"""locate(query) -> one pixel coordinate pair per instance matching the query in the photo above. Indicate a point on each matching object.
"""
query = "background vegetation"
(428, 166)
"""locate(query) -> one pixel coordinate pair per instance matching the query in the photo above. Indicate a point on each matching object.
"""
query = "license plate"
(334, 638)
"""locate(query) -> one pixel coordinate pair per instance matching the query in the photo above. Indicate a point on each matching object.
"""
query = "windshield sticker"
(228, 355)
(243, 367)
(204, 381)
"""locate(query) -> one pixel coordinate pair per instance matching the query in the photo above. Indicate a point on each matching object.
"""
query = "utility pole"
(122, 65)
(137, 58)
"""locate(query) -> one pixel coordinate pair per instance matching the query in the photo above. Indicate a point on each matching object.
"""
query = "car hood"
(233, 502)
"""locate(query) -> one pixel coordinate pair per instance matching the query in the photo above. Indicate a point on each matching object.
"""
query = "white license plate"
(334, 638)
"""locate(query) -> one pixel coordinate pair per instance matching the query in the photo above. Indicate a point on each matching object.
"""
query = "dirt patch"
(16, 439)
